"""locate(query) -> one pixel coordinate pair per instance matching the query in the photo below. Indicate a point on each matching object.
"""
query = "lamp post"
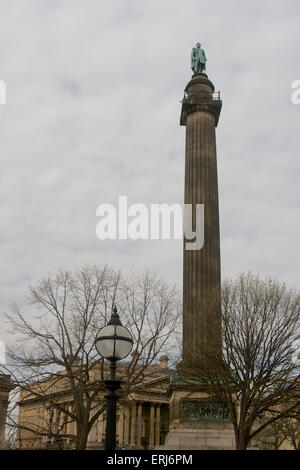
(113, 343)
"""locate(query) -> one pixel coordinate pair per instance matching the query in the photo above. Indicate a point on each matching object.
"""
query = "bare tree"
(281, 431)
(292, 431)
(248, 364)
(56, 361)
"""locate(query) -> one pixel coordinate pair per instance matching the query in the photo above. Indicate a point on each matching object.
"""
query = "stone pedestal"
(197, 422)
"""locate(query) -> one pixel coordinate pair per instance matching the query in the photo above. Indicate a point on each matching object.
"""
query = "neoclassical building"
(142, 418)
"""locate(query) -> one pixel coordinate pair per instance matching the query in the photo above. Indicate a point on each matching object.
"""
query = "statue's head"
(198, 45)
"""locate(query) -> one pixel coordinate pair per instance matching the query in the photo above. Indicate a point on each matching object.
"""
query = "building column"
(71, 425)
(133, 424)
(157, 426)
(96, 424)
(126, 427)
(121, 427)
(74, 424)
(68, 430)
(102, 427)
(139, 424)
(56, 416)
(93, 433)
(151, 425)
(3, 413)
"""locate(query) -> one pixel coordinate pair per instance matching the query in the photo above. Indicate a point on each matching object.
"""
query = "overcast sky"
(92, 112)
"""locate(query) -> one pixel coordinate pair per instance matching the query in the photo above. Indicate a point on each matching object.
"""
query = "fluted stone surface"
(201, 268)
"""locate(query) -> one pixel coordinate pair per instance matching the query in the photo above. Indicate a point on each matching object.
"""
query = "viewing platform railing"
(215, 96)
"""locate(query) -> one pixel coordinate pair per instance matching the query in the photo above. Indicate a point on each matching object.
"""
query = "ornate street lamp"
(113, 343)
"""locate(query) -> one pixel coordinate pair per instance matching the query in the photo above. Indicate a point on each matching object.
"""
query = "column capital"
(200, 96)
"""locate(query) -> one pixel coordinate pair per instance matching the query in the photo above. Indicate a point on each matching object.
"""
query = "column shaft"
(157, 426)
(151, 424)
(201, 267)
(133, 424)
(121, 427)
(139, 424)
(126, 425)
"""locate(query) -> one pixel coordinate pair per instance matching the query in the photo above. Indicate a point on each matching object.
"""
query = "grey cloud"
(93, 105)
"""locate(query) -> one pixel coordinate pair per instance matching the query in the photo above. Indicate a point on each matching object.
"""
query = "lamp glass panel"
(123, 347)
(122, 331)
(108, 330)
(105, 348)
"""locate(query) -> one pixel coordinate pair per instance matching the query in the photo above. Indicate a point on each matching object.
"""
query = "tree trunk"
(241, 443)
(82, 437)
(81, 443)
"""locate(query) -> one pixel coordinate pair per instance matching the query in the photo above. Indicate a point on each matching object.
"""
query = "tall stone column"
(201, 270)
(201, 267)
